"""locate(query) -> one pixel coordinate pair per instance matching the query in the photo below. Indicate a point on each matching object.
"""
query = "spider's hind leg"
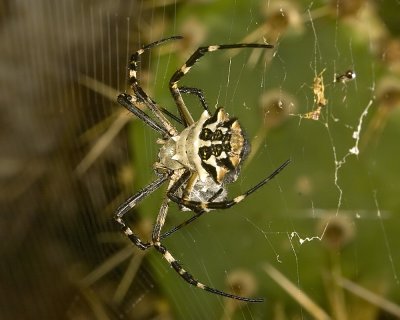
(156, 237)
(177, 266)
(130, 203)
(191, 280)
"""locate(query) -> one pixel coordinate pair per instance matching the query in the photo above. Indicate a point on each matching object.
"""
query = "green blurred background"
(328, 223)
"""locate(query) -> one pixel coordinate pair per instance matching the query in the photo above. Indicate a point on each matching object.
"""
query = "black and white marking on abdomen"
(221, 145)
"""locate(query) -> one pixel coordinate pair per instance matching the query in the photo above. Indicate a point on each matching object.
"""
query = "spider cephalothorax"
(197, 162)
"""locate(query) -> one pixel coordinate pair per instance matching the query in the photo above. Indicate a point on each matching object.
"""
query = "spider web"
(318, 241)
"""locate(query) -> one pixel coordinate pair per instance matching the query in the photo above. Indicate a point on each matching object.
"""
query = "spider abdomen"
(213, 146)
(222, 148)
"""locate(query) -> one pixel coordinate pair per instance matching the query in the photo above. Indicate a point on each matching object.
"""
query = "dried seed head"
(337, 230)
(282, 16)
(276, 106)
(388, 93)
(242, 283)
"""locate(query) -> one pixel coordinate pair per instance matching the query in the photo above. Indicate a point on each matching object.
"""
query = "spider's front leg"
(129, 102)
(197, 92)
(196, 56)
(131, 203)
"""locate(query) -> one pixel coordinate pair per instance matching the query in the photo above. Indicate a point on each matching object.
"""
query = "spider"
(197, 162)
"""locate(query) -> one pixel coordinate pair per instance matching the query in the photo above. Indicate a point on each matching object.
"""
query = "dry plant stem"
(98, 87)
(109, 265)
(296, 293)
(102, 143)
(256, 143)
(375, 128)
(129, 275)
(369, 296)
(95, 304)
(230, 306)
(334, 292)
(108, 136)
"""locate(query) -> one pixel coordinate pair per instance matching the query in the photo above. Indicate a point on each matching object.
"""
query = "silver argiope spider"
(197, 162)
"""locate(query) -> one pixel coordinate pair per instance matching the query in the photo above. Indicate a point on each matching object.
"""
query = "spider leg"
(198, 93)
(156, 236)
(191, 280)
(131, 203)
(199, 53)
(129, 101)
(183, 224)
(198, 213)
(188, 90)
(187, 175)
(171, 115)
(139, 92)
(206, 206)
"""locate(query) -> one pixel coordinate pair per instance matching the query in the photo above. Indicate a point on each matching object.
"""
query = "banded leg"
(156, 236)
(207, 206)
(171, 115)
(139, 92)
(197, 92)
(129, 101)
(188, 90)
(183, 224)
(199, 53)
(198, 213)
(191, 280)
(130, 203)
